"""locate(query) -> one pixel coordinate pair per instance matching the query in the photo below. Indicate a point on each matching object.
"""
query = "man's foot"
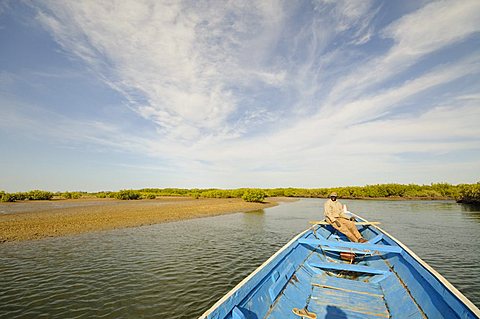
(304, 313)
(362, 240)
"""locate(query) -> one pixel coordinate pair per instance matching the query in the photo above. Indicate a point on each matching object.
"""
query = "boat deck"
(336, 298)
(332, 288)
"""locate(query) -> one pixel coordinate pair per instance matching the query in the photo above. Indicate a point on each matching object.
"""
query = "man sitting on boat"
(335, 216)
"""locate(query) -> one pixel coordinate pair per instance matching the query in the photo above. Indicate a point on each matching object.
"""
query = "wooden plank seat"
(343, 246)
(348, 285)
(374, 240)
(323, 222)
(348, 267)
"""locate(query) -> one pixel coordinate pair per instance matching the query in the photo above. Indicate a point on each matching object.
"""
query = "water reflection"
(470, 207)
(255, 219)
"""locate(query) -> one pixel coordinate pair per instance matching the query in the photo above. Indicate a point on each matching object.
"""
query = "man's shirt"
(333, 210)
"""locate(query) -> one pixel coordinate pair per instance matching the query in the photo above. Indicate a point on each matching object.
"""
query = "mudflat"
(30, 220)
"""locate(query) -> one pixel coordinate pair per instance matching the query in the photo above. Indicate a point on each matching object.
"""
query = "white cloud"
(433, 27)
(344, 15)
(185, 58)
(371, 107)
(199, 72)
(436, 25)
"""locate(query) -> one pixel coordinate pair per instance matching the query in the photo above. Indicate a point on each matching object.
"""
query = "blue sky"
(107, 95)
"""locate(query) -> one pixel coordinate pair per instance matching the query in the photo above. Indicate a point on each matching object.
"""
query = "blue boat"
(321, 274)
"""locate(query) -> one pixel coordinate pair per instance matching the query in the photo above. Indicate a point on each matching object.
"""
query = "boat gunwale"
(449, 286)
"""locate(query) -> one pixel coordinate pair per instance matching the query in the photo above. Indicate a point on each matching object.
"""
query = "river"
(178, 270)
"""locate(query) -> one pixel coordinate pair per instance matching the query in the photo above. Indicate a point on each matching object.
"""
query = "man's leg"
(353, 229)
(344, 229)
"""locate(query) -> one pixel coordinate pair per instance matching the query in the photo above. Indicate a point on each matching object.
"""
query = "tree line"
(466, 193)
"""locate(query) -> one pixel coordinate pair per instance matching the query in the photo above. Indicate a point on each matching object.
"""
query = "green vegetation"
(104, 195)
(467, 193)
(6, 197)
(31, 195)
(71, 195)
(196, 193)
(127, 194)
(254, 195)
(149, 196)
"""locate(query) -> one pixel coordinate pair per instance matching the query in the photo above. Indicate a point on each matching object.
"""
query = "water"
(178, 270)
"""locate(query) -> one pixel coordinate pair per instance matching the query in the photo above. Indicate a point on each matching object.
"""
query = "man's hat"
(333, 194)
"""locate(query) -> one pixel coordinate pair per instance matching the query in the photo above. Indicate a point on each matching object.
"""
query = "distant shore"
(398, 198)
(31, 220)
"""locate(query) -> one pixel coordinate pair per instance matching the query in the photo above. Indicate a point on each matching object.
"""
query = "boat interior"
(324, 275)
(327, 286)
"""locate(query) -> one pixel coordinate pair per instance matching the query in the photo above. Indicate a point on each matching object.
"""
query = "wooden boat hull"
(385, 280)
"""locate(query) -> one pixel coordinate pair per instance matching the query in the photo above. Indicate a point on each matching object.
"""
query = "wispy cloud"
(186, 59)
(275, 91)
(416, 35)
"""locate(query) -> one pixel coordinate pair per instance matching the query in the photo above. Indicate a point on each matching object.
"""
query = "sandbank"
(31, 220)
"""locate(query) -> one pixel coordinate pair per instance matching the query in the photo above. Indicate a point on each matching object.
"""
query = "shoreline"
(33, 220)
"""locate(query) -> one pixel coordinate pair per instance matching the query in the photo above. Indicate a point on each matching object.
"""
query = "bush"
(195, 195)
(218, 193)
(469, 194)
(38, 195)
(6, 197)
(71, 195)
(445, 189)
(276, 192)
(20, 196)
(254, 195)
(31, 195)
(149, 196)
(127, 194)
(103, 195)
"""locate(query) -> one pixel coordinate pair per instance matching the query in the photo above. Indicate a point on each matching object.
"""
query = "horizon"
(102, 95)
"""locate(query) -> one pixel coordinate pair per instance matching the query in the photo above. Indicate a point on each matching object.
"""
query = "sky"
(109, 95)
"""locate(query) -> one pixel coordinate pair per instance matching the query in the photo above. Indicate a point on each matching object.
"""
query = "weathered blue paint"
(280, 281)
(387, 280)
(356, 247)
(237, 313)
(354, 298)
(376, 239)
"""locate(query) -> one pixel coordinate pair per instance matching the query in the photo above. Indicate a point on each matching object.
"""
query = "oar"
(322, 222)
